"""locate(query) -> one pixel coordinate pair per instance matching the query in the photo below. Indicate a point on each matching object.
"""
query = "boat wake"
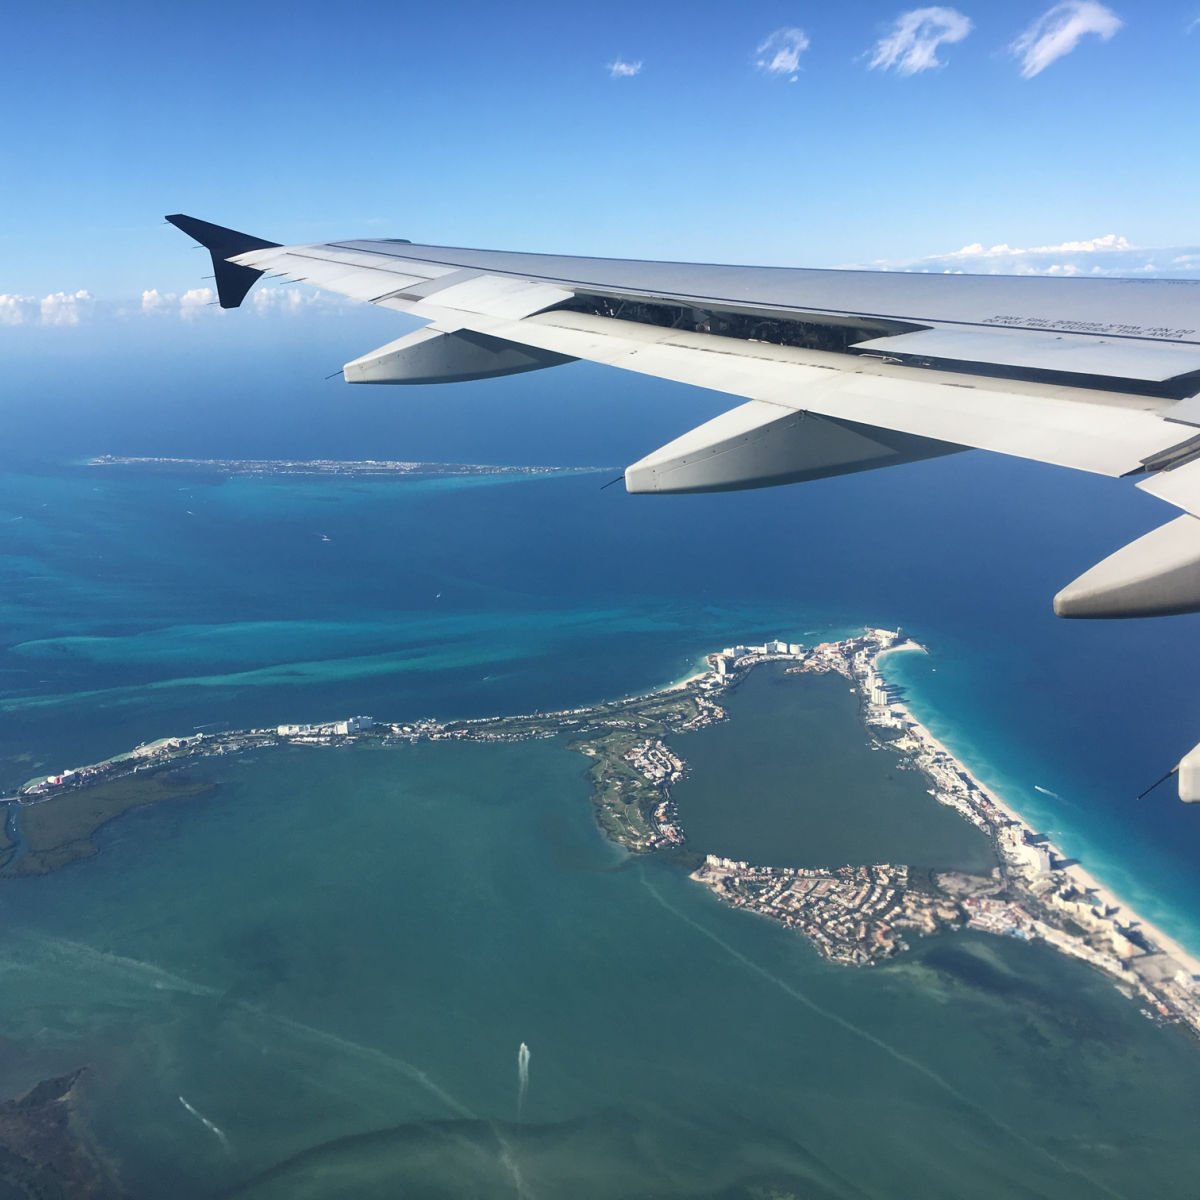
(215, 1130)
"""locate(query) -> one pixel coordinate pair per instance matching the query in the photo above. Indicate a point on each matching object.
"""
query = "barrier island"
(858, 915)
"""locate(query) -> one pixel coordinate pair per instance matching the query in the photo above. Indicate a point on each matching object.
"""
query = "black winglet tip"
(233, 281)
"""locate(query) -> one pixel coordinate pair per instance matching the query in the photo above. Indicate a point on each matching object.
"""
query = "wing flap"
(1077, 354)
(494, 295)
(1179, 486)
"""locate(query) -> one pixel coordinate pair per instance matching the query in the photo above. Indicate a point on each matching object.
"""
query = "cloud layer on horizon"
(1109, 255)
(69, 309)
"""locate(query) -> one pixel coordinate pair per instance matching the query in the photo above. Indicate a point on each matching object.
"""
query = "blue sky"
(783, 133)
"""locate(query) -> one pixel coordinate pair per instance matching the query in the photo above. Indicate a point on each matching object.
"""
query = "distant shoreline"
(360, 468)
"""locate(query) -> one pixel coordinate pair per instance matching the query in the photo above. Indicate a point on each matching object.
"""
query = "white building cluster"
(347, 727)
(736, 658)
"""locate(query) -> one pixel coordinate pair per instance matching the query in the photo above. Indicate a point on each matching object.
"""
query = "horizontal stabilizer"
(433, 356)
(1157, 575)
(233, 281)
(761, 444)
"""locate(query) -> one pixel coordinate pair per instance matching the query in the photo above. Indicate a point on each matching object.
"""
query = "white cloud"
(1109, 255)
(154, 301)
(284, 299)
(201, 302)
(192, 303)
(1058, 31)
(58, 308)
(619, 68)
(1109, 241)
(913, 42)
(65, 308)
(17, 310)
(195, 302)
(779, 54)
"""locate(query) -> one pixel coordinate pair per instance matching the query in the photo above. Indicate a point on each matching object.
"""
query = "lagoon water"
(793, 780)
(335, 956)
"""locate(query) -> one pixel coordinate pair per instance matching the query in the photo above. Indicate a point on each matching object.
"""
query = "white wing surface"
(836, 371)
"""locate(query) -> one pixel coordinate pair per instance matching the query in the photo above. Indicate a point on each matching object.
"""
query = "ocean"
(335, 956)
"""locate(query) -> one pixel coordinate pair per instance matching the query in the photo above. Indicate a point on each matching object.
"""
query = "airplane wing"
(837, 371)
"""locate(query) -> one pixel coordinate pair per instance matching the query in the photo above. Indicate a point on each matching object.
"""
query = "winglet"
(233, 281)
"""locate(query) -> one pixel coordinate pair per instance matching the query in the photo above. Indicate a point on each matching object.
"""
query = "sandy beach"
(1083, 879)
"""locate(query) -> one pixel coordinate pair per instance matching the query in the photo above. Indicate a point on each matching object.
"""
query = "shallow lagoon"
(335, 957)
(793, 779)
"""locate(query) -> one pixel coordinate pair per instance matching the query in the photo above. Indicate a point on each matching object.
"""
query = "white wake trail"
(215, 1130)
(522, 1078)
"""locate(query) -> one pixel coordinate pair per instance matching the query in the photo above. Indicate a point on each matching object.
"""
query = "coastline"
(1085, 880)
(853, 915)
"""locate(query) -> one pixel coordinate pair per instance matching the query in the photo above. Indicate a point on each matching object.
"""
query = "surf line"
(215, 1130)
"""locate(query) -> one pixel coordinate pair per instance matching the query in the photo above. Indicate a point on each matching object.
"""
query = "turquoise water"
(1119, 839)
(335, 956)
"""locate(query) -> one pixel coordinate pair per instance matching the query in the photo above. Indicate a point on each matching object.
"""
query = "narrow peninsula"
(858, 915)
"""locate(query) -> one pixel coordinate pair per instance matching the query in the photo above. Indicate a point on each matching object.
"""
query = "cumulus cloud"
(58, 308)
(620, 68)
(154, 301)
(779, 54)
(1109, 255)
(1059, 30)
(286, 299)
(196, 302)
(197, 297)
(16, 310)
(66, 308)
(202, 302)
(913, 42)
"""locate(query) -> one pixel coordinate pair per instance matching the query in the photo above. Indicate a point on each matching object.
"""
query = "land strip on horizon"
(368, 467)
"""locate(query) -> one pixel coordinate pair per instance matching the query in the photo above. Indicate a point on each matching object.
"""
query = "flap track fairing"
(762, 445)
(435, 356)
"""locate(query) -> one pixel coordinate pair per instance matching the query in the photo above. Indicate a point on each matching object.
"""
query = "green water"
(790, 780)
(335, 957)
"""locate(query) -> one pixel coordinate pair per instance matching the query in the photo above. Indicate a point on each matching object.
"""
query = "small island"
(857, 915)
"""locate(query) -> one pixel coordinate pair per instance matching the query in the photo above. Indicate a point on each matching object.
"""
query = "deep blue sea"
(136, 604)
